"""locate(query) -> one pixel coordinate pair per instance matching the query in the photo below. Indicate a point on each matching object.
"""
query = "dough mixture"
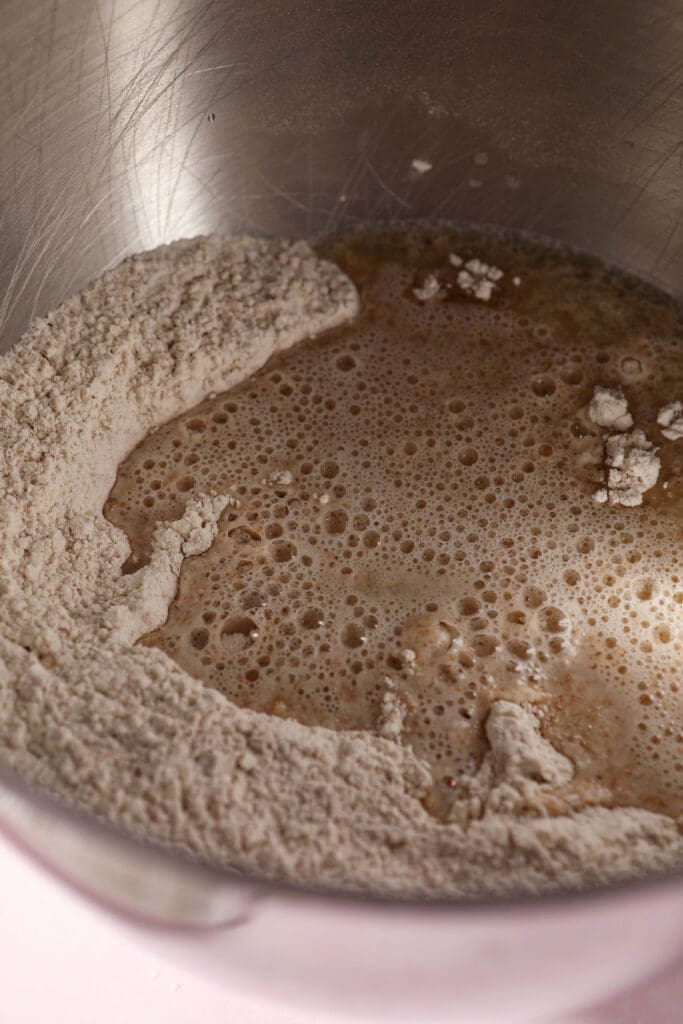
(396, 607)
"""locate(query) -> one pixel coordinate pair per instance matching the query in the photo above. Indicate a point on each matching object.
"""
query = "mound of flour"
(121, 729)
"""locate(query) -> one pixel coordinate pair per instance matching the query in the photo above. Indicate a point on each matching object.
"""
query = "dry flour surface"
(120, 728)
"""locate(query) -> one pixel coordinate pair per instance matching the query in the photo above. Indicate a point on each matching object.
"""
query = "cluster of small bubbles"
(415, 505)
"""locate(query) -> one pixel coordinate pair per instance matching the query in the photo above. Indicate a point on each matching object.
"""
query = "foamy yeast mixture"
(414, 536)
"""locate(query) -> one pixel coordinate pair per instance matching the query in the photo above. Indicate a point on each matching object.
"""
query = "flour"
(120, 728)
(518, 749)
(421, 166)
(393, 713)
(609, 408)
(476, 278)
(633, 467)
(632, 461)
(282, 477)
(670, 419)
(429, 289)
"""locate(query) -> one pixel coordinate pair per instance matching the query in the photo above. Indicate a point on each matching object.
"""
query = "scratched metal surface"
(126, 123)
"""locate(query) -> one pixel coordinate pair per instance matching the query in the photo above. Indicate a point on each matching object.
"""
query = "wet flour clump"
(367, 603)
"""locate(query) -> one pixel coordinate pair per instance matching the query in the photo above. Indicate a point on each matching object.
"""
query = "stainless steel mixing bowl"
(126, 123)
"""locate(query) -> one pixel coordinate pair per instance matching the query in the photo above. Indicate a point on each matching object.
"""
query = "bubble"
(199, 638)
(243, 535)
(521, 649)
(543, 386)
(283, 550)
(484, 645)
(553, 620)
(250, 600)
(354, 635)
(336, 520)
(534, 597)
(312, 618)
(468, 456)
(645, 590)
(469, 606)
(238, 625)
(346, 363)
(572, 376)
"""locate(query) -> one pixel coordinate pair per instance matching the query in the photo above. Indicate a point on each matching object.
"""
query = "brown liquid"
(440, 503)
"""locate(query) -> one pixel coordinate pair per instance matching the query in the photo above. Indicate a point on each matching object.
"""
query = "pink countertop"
(64, 962)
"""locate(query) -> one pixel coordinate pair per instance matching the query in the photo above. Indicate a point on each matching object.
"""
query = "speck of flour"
(122, 730)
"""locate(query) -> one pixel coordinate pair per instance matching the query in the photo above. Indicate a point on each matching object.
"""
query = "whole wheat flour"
(609, 408)
(120, 728)
(632, 460)
(670, 419)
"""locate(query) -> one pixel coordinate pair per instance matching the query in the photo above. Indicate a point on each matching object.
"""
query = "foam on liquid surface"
(416, 517)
